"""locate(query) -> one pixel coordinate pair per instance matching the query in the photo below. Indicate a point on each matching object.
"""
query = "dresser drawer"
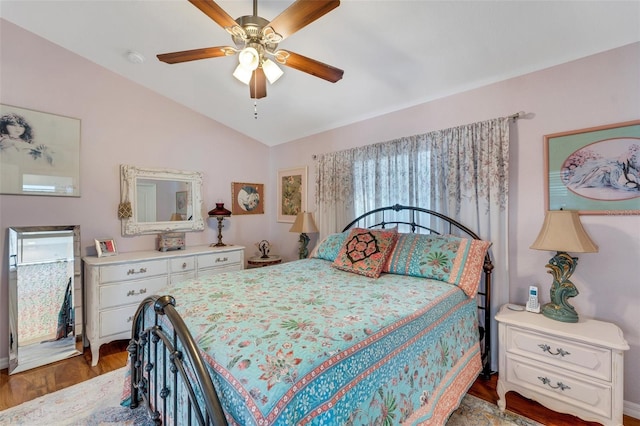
(130, 291)
(133, 271)
(219, 259)
(118, 320)
(589, 396)
(218, 270)
(590, 360)
(183, 276)
(182, 264)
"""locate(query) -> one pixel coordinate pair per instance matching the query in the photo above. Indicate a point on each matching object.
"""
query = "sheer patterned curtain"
(461, 172)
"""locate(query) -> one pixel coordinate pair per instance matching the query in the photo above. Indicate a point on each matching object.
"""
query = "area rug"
(96, 402)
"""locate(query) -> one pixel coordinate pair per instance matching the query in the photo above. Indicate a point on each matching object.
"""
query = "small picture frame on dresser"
(106, 247)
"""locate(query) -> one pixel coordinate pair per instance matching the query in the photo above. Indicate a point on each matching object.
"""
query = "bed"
(377, 326)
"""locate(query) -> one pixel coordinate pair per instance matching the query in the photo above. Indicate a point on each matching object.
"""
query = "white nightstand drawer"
(182, 264)
(590, 360)
(219, 259)
(133, 271)
(116, 321)
(130, 291)
(589, 396)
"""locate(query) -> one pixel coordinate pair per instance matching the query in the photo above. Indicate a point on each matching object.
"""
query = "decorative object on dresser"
(304, 224)
(45, 295)
(116, 285)
(106, 247)
(563, 232)
(171, 241)
(574, 368)
(220, 213)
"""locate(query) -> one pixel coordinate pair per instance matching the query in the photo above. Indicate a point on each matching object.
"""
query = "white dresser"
(574, 368)
(114, 286)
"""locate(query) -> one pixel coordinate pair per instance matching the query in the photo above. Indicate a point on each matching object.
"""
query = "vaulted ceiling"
(394, 53)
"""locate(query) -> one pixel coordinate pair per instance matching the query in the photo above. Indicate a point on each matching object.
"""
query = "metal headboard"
(408, 217)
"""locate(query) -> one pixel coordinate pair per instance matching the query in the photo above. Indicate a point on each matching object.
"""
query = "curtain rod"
(514, 117)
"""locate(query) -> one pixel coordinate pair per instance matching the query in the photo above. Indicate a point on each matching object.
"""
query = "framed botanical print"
(292, 193)
(594, 170)
(39, 153)
(247, 198)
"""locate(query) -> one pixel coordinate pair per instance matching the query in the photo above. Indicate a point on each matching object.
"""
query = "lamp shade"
(563, 231)
(219, 211)
(304, 224)
(176, 216)
(271, 70)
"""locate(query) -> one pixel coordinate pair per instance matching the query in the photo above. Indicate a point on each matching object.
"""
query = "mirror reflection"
(43, 267)
(162, 200)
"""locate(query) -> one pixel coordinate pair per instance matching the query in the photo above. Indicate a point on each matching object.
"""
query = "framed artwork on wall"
(106, 247)
(292, 193)
(39, 153)
(182, 200)
(594, 170)
(247, 198)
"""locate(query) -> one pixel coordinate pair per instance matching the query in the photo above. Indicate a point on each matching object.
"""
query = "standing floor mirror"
(44, 291)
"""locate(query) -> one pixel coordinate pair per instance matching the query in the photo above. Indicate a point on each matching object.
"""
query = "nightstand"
(260, 262)
(574, 368)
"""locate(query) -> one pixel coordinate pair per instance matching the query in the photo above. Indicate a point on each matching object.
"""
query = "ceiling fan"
(256, 41)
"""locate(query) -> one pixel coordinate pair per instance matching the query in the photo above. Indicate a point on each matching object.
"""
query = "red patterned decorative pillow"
(365, 251)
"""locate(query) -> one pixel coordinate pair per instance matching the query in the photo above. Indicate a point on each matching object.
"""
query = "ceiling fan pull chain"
(255, 109)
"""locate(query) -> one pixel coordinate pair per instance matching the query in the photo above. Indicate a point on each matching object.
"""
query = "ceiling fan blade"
(308, 65)
(300, 14)
(258, 84)
(215, 12)
(192, 55)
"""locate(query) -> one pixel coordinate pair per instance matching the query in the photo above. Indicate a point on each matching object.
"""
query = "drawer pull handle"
(133, 271)
(224, 259)
(130, 319)
(559, 385)
(133, 292)
(184, 265)
(559, 351)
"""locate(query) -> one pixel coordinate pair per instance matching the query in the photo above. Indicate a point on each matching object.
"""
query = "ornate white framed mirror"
(162, 200)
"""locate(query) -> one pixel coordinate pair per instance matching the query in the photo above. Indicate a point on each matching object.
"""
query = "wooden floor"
(21, 387)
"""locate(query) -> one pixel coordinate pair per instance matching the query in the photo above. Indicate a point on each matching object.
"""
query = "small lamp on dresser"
(562, 231)
(219, 213)
(304, 224)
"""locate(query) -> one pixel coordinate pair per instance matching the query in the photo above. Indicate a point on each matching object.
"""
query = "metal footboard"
(165, 363)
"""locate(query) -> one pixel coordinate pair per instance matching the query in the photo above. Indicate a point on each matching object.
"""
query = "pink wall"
(125, 123)
(121, 123)
(596, 90)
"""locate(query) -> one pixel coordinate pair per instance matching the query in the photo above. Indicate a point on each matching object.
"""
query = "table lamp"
(304, 224)
(563, 232)
(219, 213)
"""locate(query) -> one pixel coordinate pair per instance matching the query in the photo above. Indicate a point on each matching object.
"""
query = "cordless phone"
(532, 304)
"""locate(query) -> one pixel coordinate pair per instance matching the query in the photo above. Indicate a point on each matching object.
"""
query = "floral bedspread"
(303, 342)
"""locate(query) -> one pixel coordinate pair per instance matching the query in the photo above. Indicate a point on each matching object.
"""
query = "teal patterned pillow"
(329, 247)
(447, 258)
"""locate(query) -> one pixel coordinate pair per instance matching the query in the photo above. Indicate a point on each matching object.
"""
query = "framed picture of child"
(39, 153)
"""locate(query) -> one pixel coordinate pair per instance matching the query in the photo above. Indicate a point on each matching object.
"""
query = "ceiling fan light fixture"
(249, 58)
(271, 70)
(243, 74)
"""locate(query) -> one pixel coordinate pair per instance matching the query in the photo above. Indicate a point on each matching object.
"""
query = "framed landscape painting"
(594, 170)
(39, 153)
(292, 193)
